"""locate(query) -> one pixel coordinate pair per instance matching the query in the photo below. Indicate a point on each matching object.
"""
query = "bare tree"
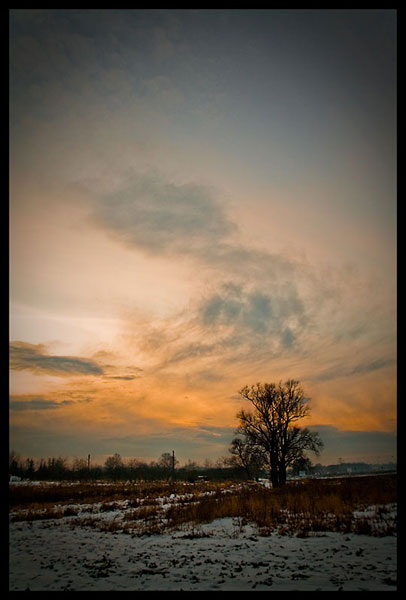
(168, 463)
(80, 468)
(133, 467)
(114, 466)
(246, 456)
(270, 427)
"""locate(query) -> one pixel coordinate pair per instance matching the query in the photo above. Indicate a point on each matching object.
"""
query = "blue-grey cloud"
(220, 310)
(204, 377)
(23, 403)
(279, 312)
(124, 377)
(237, 323)
(150, 213)
(158, 216)
(359, 369)
(34, 358)
(356, 446)
(272, 304)
(287, 337)
(189, 351)
(196, 443)
(258, 312)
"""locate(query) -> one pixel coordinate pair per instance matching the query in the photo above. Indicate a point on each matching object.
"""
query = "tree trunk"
(274, 474)
(282, 473)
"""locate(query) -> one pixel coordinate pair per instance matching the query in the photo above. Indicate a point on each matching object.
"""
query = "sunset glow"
(200, 200)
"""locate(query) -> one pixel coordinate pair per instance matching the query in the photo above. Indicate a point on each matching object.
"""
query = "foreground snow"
(222, 555)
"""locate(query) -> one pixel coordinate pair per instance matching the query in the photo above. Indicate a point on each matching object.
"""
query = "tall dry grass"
(316, 505)
(302, 506)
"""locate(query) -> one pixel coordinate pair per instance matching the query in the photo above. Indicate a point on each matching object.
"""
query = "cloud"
(157, 216)
(124, 377)
(258, 313)
(275, 311)
(190, 351)
(31, 357)
(359, 369)
(196, 443)
(287, 338)
(218, 309)
(353, 446)
(229, 325)
(253, 307)
(22, 403)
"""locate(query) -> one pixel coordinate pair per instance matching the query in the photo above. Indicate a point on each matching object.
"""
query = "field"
(314, 534)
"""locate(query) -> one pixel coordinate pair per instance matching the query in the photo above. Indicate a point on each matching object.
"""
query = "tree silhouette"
(271, 428)
(167, 463)
(114, 466)
(246, 456)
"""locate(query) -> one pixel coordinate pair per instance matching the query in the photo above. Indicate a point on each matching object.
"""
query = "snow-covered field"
(223, 555)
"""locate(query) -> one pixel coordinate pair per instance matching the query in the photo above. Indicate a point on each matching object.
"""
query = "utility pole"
(173, 462)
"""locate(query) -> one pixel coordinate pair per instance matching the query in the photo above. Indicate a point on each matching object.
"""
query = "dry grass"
(313, 505)
(23, 496)
(299, 507)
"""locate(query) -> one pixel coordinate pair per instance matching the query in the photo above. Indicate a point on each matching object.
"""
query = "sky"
(201, 199)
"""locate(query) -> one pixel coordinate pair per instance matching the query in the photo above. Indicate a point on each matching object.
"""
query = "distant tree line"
(116, 468)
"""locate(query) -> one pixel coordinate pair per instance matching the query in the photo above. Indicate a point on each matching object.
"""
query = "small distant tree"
(42, 470)
(247, 457)
(114, 466)
(190, 465)
(189, 471)
(14, 464)
(271, 426)
(80, 468)
(57, 469)
(133, 465)
(168, 463)
(302, 464)
(29, 468)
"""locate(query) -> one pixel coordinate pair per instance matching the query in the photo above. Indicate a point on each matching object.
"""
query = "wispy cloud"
(155, 215)
(34, 358)
(254, 292)
(23, 403)
(238, 324)
(360, 368)
(256, 311)
(123, 377)
(258, 315)
(158, 216)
